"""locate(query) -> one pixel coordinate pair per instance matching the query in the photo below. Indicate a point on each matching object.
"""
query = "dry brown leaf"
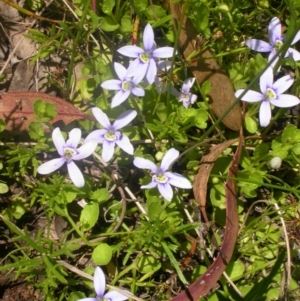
(222, 91)
(16, 109)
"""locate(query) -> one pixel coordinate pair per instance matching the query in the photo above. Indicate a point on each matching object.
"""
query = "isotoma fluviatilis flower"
(162, 178)
(110, 135)
(145, 62)
(99, 286)
(184, 95)
(69, 152)
(125, 86)
(271, 93)
(276, 42)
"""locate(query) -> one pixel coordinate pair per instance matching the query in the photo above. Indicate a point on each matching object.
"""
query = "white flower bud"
(275, 163)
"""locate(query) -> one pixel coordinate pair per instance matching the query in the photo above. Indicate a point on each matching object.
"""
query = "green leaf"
(155, 12)
(2, 125)
(89, 216)
(148, 264)
(44, 109)
(102, 254)
(109, 24)
(235, 270)
(3, 188)
(251, 124)
(100, 195)
(108, 6)
(36, 130)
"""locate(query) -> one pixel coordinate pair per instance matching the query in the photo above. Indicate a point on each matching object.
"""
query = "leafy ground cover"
(149, 150)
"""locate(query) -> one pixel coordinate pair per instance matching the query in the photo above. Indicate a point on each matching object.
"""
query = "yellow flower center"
(161, 178)
(69, 153)
(145, 57)
(110, 135)
(278, 45)
(127, 85)
(270, 94)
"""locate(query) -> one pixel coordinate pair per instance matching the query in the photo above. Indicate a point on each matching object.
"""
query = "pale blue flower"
(271, 93)
(99, 286)
(125, 86)
(184, 95)
(110, 136)
(162, 178)
(68, 151)
(145, 62)
(276, 42)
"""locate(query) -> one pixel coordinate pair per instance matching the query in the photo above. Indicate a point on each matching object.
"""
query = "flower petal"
(265, 113)
(115, 296)
(148, 37)
(293, 54)
(266, 80)
(259, 45)
(99, 282)
(274, 31)
(145, 164)
(285, 101)
(112, 84)
(131, 51)
(120, 97)
(138, 92)
(101, 117)
(75, 174)
(125, 145)
(187, 84)
(85, 150)
(108, 149)
(120, 70)
(150, 185)
(270, 57)
(171, 155)
(51, 166)
(58, 141)
(283, 83)
(178, 180)
(193, 98)
(164, 65)
(250, 96)
(166, 191)
(74, 138)
(125, 118)
(88, 299)
(97, 135)
(151, 72)
(137, 69)
(296, 38)
(163, 52)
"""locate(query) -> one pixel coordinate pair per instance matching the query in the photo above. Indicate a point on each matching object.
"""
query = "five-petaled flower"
(271, 93)
(276, 42)
(185, 96)
(125, 85)
(145, 62)
(110, 136)
(68, 151)
(162, 178)
(99, 286)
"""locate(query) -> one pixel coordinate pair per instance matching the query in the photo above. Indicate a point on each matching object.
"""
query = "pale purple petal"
(282, 84)
(101, 117)
(85, 150)
(274, 30)
(163, 52)
(137, 77)
(145, 164)
(265, 113)
(164, 65)
(186, 104)
(58, 141)
(75, 174)
(97, 135)
(187, 84)
(125, 145)
(165, 190)
(138, 92)
(285, 101)
(270, 57)
(266, 80)
(152, 71)
(171, 155)
(108, 149)
(137, 69)
(50, 166)
(293, 54)
(112, 84)
(115, 296)
(148, 38)
(150, 185)
(125, 118)
(178, 180)
(193, 98)
(99, 282)
(120, 70)
(88, 299)
(74, 138)
(250, 96)
(131, 51)
(258, 45)
(120, 97)
(296, 38)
